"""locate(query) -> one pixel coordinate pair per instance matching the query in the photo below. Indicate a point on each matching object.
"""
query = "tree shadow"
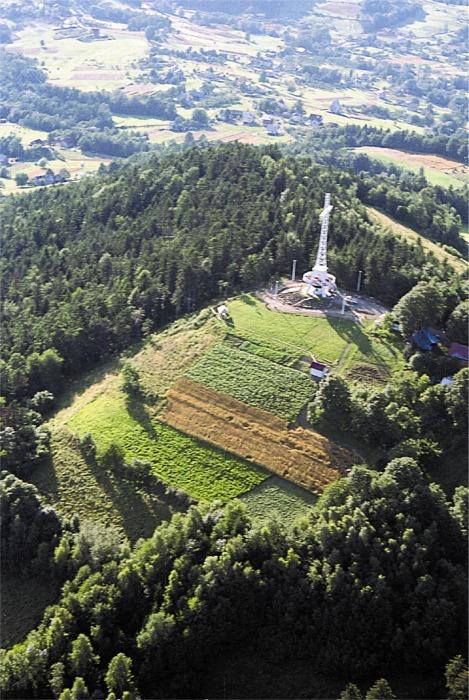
(43, 476)
(141, 503)
(248, 299)
(139, 413)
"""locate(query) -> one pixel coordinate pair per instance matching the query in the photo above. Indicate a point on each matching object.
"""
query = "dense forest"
(372, 581)
(89, 269)
(372, 584)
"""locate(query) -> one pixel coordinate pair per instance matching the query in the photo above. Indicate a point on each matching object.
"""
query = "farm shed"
(459, 352)
(318, 370)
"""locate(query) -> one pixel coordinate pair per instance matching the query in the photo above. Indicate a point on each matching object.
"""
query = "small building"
(249, 118)
(267, 121)
(222, 312)
(318, 370)
(459, 352)
(316, 120)
(424, 339)
(335, 107)
(274, 129)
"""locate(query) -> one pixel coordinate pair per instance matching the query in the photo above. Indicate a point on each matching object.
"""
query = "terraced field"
(302, 456)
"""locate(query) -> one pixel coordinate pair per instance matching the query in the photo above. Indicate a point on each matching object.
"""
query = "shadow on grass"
(140, 516)
(139, 413)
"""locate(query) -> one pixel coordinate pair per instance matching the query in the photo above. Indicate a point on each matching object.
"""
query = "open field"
(253, 380)
(77, 164)
(338, 342)
(24, 133)
(277, 498)
(408, 234)
(106, 64)
(437, 170)
(202, 472)
(303, 456)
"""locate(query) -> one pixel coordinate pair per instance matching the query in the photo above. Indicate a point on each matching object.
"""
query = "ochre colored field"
(302, 456)
(444, 165)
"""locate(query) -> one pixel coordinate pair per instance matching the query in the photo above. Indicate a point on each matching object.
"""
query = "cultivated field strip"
(304, 457)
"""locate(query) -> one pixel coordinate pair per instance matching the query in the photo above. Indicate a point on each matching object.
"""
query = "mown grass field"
(107, 64)
(408, 234)
(253, 380)
(338, 342)
(277, 498)
(202, 472)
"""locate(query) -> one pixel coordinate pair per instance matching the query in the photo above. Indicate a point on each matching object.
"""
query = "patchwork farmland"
(224, 421)
(302, 456)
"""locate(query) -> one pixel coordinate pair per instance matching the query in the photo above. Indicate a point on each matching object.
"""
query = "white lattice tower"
(321, 257)
(318, 279)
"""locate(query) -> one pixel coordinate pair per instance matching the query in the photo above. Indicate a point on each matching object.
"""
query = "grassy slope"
(203, 472)
(95, 404)
(336, 341)
(390, 224)
(277, 498)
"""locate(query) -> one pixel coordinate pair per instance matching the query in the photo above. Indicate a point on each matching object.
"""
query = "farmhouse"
(315, 120)
(274, 129)
(459, 352)
(222, 312)
(318, 370)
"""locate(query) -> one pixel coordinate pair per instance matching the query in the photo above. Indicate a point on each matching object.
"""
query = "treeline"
(28, 99)
(12, 147)
(374, 581)
(352, 135)
(89, 269)
(383, 14)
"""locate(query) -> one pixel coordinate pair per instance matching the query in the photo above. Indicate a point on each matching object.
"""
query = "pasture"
(279, 499)
(107, 64)
(339, 343)
(253, 380)
(77, 164)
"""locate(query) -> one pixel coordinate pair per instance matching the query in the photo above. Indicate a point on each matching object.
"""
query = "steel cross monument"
(319, 281)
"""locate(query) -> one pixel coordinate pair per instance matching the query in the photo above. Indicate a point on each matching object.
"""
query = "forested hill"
(91, 267)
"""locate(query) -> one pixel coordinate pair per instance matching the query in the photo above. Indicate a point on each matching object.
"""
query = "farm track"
(302, 456)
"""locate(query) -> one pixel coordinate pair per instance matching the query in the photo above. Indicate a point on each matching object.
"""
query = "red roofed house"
(318, 370)
(459, 352)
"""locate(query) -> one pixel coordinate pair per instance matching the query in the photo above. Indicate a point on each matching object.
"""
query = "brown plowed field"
(303, 456)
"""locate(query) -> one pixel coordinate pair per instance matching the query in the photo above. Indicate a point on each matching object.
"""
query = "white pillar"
(293, 271)
(359, 280)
